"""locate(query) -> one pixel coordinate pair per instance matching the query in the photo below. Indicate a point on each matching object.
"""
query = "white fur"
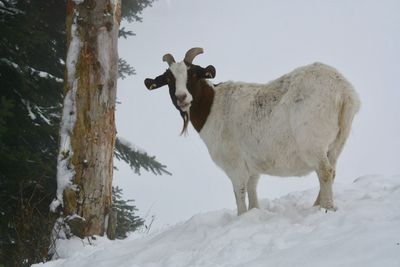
(179, 70)
(289, 127)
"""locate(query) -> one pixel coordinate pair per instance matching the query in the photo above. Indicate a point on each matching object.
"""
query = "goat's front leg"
(239, 182)
(240, 195)
(252, 191)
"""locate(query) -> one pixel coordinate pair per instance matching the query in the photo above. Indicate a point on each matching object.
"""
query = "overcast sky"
(255, 41)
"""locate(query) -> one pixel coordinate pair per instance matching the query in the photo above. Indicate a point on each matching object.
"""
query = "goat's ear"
(208, 72)
(158, 82)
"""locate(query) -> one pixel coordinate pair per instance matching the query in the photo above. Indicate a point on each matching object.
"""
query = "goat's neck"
(203, 97)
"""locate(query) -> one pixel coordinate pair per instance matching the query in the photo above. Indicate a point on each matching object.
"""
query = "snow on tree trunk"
(85, 161)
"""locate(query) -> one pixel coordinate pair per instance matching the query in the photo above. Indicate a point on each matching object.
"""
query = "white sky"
(255, 41)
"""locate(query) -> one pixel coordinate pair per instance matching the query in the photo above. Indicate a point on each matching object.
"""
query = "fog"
(255, 41)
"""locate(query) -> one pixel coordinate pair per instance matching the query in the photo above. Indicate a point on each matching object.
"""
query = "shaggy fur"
(289, 127)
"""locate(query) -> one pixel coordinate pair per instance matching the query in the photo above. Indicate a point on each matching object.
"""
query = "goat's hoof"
(328, 207)
(241, 212)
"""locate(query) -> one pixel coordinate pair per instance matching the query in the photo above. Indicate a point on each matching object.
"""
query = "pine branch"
(138, 159)
(124, 33)
(124, 69)
(131, 10)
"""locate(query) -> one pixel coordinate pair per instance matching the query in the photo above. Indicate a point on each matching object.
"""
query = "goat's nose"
(181, 98)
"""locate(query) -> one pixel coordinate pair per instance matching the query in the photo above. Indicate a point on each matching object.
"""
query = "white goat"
(291, 126)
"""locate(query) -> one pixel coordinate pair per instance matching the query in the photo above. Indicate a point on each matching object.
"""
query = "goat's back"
(280, 128)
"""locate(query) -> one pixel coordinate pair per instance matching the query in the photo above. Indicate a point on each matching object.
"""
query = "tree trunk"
(85, 162)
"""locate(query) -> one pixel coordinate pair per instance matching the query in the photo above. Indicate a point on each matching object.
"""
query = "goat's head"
(177, 77)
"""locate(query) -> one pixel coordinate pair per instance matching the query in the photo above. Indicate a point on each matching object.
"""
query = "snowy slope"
(365, 231)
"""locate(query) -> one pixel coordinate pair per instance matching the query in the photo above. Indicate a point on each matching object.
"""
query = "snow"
(40, 112)
(65, 168)
(9, 9)
(285, 232)
(40, 73)
(73, 51)
(15, 65)
(74, 216)
(28, 107)
(133, 147)
(47, 75)
(32, 115)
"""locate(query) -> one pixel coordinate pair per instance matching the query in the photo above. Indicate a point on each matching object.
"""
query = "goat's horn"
(168, 58)
(192, 53)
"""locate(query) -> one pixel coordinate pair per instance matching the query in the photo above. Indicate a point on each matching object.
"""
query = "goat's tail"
(349, 107)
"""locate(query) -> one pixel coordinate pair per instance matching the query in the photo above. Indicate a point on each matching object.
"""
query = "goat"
(290, 126)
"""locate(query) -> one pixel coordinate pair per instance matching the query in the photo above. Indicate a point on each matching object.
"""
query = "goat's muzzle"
(183, 102)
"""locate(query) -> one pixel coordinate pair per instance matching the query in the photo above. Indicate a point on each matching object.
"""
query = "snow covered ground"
(288, 231)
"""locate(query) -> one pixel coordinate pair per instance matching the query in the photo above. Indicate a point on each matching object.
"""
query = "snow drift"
(365, 231)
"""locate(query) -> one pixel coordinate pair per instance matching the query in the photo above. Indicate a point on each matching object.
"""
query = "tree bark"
(90, 83)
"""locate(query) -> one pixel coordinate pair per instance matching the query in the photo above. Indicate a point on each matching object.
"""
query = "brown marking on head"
(202, 93)
(199, 91)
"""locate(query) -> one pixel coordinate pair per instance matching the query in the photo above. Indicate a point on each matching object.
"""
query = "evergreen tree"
(32, 51)
(31, 47)
(127, 221)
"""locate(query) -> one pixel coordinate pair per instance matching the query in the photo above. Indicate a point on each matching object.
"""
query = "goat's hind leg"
(316, 203)
(332, 157)
(326, 174)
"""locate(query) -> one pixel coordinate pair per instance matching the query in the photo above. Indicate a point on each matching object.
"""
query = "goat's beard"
(186, 118)
(184, 114)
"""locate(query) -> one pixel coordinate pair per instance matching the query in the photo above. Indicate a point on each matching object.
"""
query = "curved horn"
(168, 58)
(192, 53)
